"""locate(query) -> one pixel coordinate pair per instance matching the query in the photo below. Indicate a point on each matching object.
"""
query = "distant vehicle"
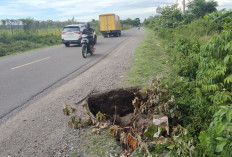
(110, 25)
(71, 34)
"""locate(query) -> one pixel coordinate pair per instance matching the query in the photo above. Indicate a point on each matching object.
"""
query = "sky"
(85, 10)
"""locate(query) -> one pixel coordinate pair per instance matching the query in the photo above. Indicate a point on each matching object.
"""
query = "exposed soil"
(40, 129)
(117, 105)
(117, 101)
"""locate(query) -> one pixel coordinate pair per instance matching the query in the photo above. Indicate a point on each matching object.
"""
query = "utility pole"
(183, 6)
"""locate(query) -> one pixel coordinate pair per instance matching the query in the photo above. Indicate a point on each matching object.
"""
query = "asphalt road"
(26, 75)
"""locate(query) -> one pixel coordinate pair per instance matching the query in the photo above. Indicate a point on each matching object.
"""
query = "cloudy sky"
(84, 10)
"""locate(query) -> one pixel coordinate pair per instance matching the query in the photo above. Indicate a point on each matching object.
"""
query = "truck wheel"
(116, 34)
(105, 36)
(67, 44)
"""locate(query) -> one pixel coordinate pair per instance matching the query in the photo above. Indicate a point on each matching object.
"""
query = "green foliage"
(27, 24)
(2, 51)
(199, 8)
(171, 17)
(215, 69)
(4, 38)
(149, 61)
(203, 89)
(223, 18)
(217, 139)
(18, 42)
(160, 148)
(100, 117)
(18, 35)
(151, 130)
(187, 49)
(182, 145)
(131, 22)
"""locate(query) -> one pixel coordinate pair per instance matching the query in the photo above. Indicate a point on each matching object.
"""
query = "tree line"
(32, 25)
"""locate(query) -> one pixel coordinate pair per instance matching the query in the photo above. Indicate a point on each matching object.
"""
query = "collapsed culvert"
(116, 101)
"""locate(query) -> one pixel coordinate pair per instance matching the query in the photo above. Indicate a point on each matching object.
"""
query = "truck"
(110, 25)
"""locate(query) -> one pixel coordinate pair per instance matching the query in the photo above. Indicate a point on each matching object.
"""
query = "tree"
(131, 22)
(171, 16)
(27, 24)
(4, 23)
(199, 8)
(137, 21)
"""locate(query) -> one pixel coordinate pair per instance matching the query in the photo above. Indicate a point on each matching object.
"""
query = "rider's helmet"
(87, 25)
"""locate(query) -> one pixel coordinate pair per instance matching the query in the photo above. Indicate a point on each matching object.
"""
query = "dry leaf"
(123, 138)
(73, 109)
(143, 93)
(123, 155)
(96, 130)
(135, 102)
(114, 130)
(103, 125)
(165, 89)
(132, 141)
(136, 111)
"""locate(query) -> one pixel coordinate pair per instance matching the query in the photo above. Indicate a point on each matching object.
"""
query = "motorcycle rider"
(89, 31)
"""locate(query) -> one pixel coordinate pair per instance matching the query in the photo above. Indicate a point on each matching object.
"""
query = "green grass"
(149, 62)
(94, 144)
(18, 42)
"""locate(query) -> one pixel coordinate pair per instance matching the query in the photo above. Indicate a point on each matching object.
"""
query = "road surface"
(25, 76)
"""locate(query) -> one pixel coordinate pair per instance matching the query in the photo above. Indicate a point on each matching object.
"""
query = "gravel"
(40, 129)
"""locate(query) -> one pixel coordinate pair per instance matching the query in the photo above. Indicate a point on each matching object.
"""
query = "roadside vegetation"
(186, 60)
(25, 34)
(192, 53)
(150, 61)
(21, 35)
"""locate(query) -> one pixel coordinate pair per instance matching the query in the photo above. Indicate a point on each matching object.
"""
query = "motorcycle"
(85, 46)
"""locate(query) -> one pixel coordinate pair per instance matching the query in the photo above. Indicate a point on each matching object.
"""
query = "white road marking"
(30, 63)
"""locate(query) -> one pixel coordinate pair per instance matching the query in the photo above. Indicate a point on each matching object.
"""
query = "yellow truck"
(110, 25)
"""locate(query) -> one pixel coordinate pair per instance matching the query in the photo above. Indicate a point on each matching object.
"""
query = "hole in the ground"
(106, 102)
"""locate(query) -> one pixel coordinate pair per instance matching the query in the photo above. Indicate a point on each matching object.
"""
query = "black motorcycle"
(85, 46)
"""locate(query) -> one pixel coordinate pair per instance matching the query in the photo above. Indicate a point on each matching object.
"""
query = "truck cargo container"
(110, 25)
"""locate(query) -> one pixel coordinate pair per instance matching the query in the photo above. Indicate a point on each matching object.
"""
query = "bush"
(4, 38)
(217, 139)
(2, 51)
(203, 89)
(187, 50)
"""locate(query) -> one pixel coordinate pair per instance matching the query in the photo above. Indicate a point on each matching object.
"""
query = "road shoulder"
(41, 129)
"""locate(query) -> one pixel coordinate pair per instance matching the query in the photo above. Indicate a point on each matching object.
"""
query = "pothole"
(113, 102)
